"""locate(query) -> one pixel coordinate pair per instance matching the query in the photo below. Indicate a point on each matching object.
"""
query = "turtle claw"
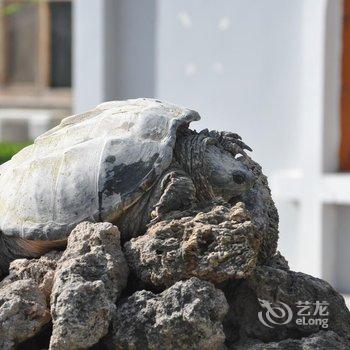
(243, 145)
(230, 141)
(231, 135)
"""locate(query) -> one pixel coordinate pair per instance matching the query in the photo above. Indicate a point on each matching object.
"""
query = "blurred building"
(273, 71)
(35, 66)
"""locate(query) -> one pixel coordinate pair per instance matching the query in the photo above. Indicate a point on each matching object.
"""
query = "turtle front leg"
(12, 248)
(178, 193)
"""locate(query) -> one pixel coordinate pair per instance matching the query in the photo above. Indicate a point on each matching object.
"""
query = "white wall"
(244, 77)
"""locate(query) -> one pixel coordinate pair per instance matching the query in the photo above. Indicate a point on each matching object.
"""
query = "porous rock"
(323, 340)
(278, 286)
(90, 277)
(278, 261)
(188, 315)
(215, 243)
(23, 312)
(263, 211)
(40, 270)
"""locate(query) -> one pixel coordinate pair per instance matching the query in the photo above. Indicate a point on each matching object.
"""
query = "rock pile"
(216, 244)
(205, 278)
(89, 278)
(188, 315)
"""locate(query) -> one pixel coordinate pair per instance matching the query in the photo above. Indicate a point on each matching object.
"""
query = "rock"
(323, 340)
(23, 312)
(263, 211)
(40, 270)
(90, 277)
(278, 261)
(188, 315)
(276, 286)
(216, 243)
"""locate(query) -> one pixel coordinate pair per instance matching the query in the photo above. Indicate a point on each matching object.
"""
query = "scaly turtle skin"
(126, 162)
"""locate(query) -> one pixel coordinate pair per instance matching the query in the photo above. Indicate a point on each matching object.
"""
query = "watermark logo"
(308, 313)
(274, 313)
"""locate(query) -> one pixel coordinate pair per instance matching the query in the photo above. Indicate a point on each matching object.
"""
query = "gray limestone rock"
(215, 243)
(90, 277)
(41, 270)
(268, 288)
(278, 261)
(263, 211)
(188, 315)
(323, 340)
(23, 312)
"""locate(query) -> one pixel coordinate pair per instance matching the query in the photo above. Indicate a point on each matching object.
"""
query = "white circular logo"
(274, 314)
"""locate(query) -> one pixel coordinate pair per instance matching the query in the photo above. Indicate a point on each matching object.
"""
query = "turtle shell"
(91, 167)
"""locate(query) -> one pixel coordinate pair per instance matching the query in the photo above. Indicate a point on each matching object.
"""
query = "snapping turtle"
(126, 162)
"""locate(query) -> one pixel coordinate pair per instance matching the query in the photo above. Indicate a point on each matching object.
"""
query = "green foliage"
(9, 149)
(12, 8)
(17, 6)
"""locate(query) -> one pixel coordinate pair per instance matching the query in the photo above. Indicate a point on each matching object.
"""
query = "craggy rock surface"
(40, 270)
(91, 275)
(216, 243)
(263, 211)
(23, 312)
(192, 313)
(188, 315)
(323, 340)
(278, 262)
(283, 286)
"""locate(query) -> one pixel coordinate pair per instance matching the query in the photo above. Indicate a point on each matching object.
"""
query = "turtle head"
(215, 161)
(226, 173)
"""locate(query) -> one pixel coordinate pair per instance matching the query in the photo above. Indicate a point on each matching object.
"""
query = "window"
(35, 52)
(61, 42)
(21, 45)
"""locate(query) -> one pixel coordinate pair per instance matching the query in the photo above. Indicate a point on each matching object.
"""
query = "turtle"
(125, 162)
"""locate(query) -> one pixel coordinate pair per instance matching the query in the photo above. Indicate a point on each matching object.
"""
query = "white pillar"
(316, 188)
(309, 246)
(114, 50)
(88, 53)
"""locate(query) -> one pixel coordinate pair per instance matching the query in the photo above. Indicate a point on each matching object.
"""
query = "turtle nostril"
(238, 177)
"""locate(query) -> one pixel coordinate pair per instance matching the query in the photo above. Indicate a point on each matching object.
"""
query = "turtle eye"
(238, 177)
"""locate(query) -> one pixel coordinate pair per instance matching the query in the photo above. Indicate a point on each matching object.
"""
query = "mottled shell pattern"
(91, 167)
